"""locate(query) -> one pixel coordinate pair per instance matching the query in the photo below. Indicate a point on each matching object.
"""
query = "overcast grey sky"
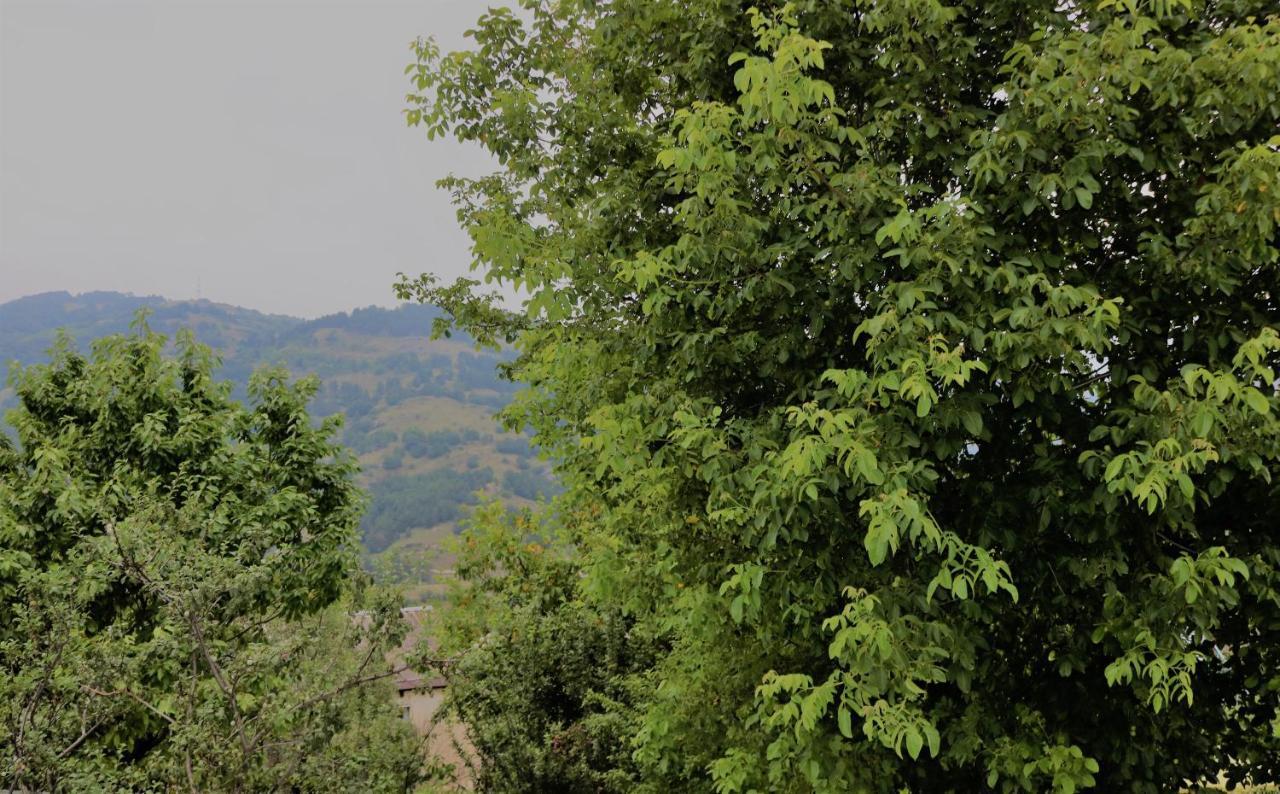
(250, 152)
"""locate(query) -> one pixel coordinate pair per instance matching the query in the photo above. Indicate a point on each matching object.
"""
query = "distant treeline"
(247, 340)
(28, 325)
(423, 500)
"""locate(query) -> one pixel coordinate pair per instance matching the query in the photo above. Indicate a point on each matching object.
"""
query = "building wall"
(419, 707)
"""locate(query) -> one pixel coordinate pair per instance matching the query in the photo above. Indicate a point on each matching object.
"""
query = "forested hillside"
(418, 412)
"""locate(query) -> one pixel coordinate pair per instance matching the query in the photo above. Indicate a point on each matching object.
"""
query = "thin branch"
(133, 696)
(1097, 375)
(227, 689)
(85, 734)
(29, 712)
(350, 684)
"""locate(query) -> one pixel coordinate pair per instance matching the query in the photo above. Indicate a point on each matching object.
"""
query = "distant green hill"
(419, 413)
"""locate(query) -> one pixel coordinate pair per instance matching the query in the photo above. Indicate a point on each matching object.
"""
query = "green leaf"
(1114, 468)
(934, 738)
(914, 743)
(1202, 423)
(877, 546)
(1255, 400)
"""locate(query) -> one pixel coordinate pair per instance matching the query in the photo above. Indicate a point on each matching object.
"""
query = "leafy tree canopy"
(919, 360)
(176, 580)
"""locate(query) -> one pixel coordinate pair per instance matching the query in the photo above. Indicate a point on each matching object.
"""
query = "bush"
(542, 678)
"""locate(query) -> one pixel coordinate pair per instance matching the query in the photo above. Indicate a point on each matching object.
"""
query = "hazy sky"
(246, 151)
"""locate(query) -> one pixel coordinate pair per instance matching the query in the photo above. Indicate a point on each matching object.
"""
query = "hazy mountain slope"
(418, 412)
(27, 324)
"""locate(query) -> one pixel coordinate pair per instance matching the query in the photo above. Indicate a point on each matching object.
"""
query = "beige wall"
(419, 707)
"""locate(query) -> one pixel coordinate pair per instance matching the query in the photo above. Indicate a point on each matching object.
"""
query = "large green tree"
(919, 357)
(177, 582)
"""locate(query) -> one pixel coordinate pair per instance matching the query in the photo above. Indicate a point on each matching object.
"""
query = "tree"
(178, 576)
(920, 360)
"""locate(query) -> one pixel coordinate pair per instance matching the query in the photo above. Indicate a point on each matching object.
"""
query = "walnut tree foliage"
(177, 581)
(919, 357)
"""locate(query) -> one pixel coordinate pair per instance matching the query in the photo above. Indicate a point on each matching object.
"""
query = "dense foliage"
(543, 680)
(918, 358)
(177, 578)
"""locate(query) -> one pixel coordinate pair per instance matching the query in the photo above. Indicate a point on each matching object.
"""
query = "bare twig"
(85, 734)
(227, 688)
(132, 696)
